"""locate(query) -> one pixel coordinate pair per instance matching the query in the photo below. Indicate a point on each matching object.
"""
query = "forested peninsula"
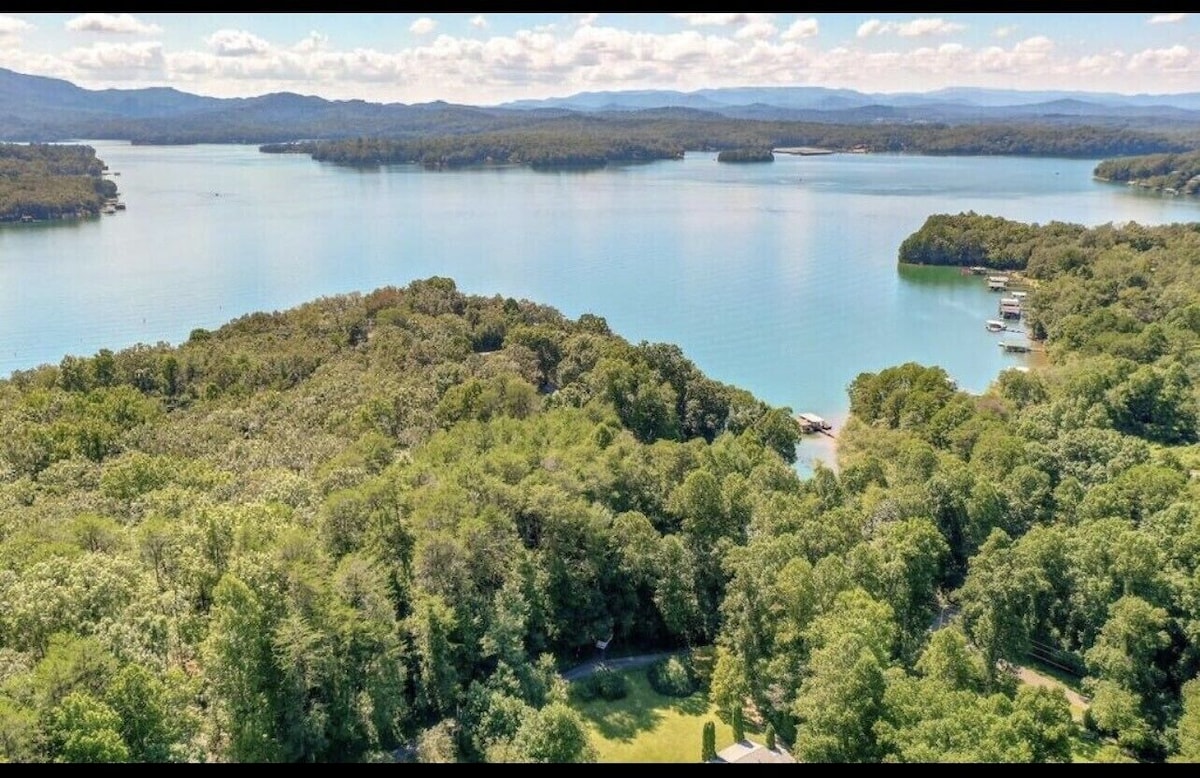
(382, 523)
(1167, 173)
(50, 181)
(593, 141)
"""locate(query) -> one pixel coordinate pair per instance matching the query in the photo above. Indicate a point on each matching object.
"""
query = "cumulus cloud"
(237, 43)
(314, 41)
(10, 25)
(124, 24)
(1175, 58)
(912, 29)
(479, 22)
(756, 31)
(422, 26)
(801, 28)
(1166, 18)
(584, 55)
(871, 27)
(118, 61)
(719, 20)
(586, 20)
(921, 27)
(1005, 31)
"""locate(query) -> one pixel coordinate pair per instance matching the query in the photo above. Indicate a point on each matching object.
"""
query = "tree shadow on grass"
(695, 705)
(626, 723)
(639, 712)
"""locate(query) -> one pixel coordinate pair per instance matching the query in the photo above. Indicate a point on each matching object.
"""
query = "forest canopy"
(1170, 173)
(50, 181)
(384, 522)
(667, 134)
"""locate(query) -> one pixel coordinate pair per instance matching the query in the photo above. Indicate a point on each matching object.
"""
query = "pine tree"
(739, 726)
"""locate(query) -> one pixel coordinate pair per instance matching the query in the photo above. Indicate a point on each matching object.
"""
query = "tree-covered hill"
(48, 181)
(312, 535)
(666, 134)
(1170, 173)
(384, 520)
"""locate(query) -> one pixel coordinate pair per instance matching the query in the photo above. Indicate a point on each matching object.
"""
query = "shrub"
(604, 683)
(672, 677)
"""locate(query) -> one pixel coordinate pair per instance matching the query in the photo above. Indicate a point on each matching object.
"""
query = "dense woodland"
(388, 519)
(1172, 173)
(593, 140)
(45, 181)
(746, 155)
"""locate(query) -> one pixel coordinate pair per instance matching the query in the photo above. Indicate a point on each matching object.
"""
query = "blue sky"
(484, 59)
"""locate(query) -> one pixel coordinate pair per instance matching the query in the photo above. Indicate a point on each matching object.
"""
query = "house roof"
(749, 752)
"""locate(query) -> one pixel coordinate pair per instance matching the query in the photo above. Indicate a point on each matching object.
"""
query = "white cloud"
(118, 61)
(1177, 58)
(314, 41)
(10, 25)
(479, 22)
(1038, 45)
(586, 20)
(922, 27)
(912, 29)
(719, 20)
(422, 26)
(871, 27)
(801, 28)
(1004, 32)
(756, 31)
(237, 43)
(1166, 18)
(483, 68)
(126, 24)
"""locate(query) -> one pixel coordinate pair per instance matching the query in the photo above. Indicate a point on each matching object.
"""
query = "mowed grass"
(649, 727)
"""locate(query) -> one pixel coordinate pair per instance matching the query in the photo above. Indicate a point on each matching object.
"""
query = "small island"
(746, 155)
(39, 182)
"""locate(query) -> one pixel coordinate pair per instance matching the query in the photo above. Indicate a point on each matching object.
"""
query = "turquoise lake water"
(780, 278)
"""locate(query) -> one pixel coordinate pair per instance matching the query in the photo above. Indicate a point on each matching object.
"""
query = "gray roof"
(749, 752)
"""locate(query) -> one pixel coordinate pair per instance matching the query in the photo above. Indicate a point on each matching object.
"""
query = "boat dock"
(810, 422)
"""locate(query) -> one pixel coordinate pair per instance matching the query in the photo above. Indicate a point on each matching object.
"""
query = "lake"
(780, 278)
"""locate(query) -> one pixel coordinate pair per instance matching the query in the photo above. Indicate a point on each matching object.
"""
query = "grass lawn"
(648, 727)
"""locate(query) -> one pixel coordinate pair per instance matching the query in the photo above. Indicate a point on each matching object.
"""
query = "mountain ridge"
(40, 108)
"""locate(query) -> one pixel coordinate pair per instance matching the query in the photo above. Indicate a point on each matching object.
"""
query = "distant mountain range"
(41, 109)
(821, 103)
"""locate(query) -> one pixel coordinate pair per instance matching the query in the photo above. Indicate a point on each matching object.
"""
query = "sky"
(491, 58)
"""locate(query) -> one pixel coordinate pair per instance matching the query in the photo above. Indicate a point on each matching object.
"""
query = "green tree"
(152, 722)
(240, 672)
(84, 729)
(708, 748)
(432, 626)
(842, 696)
(554, 734)
(1188, 728)
(737, 721)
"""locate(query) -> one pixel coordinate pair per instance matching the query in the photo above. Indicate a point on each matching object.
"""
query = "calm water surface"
(780, 278)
